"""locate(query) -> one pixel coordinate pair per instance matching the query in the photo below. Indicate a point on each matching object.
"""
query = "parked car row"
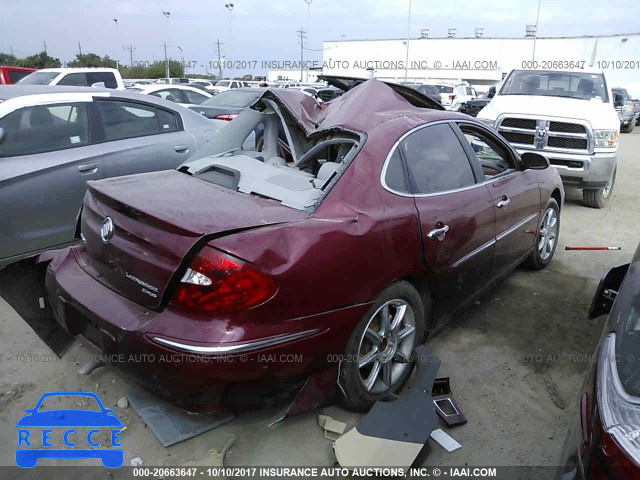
(55, 139)
(625, 108)
(230, 236)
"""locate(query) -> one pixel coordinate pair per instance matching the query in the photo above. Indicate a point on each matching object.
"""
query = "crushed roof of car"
(362, 108)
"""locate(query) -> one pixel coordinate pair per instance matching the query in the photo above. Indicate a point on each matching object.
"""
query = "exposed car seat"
(327, 170)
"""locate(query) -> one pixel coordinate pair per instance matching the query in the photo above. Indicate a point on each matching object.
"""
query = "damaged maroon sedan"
(244, 270)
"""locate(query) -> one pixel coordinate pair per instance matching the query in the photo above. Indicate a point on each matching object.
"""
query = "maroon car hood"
(158, 219)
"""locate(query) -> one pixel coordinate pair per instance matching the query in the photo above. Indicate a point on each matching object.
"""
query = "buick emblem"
(107, 229)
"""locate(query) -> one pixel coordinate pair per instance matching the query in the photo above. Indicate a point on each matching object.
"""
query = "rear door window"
(16, 75)
(108, 78)
(45, 128)
(75, 79)
(123, 119)
(194, 98)
(436, 160)
(171, 94)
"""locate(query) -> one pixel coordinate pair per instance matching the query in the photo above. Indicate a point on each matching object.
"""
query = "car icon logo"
(84, 433)
(108, 227)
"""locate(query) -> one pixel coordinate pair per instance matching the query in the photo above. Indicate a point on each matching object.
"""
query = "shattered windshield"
(579, 85)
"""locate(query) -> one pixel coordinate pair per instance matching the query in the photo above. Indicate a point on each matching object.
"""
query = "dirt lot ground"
(513, 358)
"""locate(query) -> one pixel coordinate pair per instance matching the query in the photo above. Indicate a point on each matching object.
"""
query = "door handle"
(438, 233)
(504, 202)
(181, 148)
(88, 168)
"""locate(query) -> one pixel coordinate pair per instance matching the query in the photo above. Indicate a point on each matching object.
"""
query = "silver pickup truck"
(567, 115)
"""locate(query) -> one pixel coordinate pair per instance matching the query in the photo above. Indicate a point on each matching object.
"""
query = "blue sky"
(258, 30)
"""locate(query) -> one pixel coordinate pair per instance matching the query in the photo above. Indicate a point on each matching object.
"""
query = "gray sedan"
(54, 139)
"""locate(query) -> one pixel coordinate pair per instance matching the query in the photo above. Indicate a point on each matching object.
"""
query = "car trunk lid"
(155, 221)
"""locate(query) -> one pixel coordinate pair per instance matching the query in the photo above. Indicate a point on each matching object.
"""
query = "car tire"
(599, 198)
(631, 126)
(378, 356)
(546, 237)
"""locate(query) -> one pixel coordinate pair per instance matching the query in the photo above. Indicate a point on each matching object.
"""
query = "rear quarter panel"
(360, 239)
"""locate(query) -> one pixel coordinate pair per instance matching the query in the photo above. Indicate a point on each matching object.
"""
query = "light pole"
(182, 59)
(535, 35)
(406, 63)
(308, 2)
(166, 60)
(229, 6)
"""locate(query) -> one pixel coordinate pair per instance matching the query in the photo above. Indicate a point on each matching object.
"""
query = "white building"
(483, 61)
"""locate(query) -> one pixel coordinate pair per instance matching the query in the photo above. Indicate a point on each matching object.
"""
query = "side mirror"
(492, 91)
(607, 291)
(2, 135)
(618, 100)
(99, 85)
(534, 161)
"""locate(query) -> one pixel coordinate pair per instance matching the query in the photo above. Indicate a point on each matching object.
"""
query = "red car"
(10, 75)
(243, 270)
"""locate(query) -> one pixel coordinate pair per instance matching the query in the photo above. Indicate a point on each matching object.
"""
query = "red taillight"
(584, 417)
(221, 284)
(451, 97)
(610, 462)
(617, 423)
(226, 116)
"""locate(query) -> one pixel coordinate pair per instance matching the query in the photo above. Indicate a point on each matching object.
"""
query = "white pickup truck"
(78, 77)
(567, 115)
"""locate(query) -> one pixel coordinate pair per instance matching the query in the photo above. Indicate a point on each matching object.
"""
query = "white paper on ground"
(445, 440)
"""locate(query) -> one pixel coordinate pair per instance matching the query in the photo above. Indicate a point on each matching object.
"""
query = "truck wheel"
(378, 356)
(599, 198)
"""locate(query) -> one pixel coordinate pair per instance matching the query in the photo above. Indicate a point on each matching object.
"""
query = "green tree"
(39, 60)
(86, 60)
(7, 59)
(109, 62)
(133, 72)
(157, 69)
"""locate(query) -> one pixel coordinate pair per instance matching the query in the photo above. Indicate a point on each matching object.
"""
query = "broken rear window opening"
(267, 153)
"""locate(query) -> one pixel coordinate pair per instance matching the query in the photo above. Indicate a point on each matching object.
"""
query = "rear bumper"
(192, 361)
(581, 170)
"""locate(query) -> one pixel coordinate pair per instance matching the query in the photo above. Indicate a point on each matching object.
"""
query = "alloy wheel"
(384, 351)
(548, 234)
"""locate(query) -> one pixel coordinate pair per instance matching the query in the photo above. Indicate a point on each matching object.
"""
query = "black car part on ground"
(393, 433)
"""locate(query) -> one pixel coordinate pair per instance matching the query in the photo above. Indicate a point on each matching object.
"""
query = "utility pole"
(219, 61)
(79, 49)
(535, 35)
(166, 61)
(406, 64)
(130, 49)
(11, 50)
(167, 15)
(301, 35)
(45, 47)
